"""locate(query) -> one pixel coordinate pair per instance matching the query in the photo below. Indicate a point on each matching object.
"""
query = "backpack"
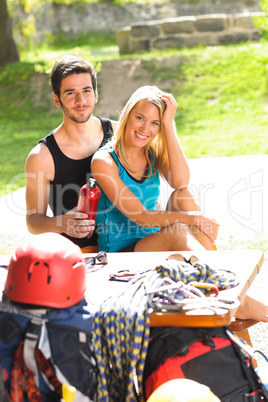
(41, 351)
(210, 356)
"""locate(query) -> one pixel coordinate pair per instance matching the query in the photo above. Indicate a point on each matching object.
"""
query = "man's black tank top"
(70, 175)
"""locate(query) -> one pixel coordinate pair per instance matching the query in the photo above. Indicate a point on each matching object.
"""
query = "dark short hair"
(69, 65)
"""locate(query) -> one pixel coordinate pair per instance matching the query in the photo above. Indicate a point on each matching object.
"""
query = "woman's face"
(143, 123)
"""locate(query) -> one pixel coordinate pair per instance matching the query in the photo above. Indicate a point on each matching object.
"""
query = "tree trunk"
(8, 49)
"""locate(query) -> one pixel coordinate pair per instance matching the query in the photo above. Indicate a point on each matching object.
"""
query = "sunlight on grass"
(91, 47)
(105, 53)
(256, 241)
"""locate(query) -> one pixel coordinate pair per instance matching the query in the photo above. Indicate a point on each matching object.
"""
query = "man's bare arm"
(39, 171)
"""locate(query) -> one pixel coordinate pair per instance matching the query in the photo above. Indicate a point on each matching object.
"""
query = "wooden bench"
(90, 249)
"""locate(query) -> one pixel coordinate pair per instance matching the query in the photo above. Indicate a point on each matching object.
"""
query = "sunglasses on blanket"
(100, 258)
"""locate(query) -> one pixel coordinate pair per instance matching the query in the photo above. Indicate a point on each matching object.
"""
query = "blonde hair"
(155, 151)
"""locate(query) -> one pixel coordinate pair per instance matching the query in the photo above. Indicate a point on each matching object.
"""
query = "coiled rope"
(120, 338)
(121, 328)
(199, 272)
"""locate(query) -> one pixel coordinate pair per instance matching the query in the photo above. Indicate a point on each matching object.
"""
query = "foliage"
(221, 92)
(25, 28)
(30, 3)
(256, 241)
(261, 22)
(27, 112)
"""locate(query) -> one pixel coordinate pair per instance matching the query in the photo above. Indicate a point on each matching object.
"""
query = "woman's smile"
(141, 136)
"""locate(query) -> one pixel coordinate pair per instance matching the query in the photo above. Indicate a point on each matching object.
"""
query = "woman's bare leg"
(251, 307)
(183, 200)
(175, 237)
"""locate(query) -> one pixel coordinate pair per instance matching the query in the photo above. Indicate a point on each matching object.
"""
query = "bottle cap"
(91, 183)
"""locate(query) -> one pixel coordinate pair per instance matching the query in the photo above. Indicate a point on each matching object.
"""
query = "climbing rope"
(120, 337)
(199, 272)
(121, 327)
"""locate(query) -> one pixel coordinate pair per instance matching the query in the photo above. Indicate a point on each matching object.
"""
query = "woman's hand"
(171, 107)
(209, 226)
(176, 170)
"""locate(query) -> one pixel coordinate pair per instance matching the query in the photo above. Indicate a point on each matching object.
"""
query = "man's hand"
(76, 224)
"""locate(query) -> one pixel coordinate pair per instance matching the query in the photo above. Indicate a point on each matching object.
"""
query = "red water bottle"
(89, 197)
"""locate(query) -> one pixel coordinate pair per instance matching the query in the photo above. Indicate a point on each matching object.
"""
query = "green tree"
(8, 49)
(261, 22)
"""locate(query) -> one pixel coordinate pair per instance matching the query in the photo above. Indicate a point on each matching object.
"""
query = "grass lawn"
(221, 92)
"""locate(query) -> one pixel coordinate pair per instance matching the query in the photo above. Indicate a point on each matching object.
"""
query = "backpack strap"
(30, 343)
(4, 395)
(48, 370)
(34, 358)
(27, 362)
(18, 371)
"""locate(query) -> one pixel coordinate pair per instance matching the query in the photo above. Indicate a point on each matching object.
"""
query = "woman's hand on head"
(171, 107)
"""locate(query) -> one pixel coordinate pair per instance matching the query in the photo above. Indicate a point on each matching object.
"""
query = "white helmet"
(183, 390)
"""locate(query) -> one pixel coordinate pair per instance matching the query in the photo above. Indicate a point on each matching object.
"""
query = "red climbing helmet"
(47, 270)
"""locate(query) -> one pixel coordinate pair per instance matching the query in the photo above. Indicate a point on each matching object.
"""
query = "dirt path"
(118, 79)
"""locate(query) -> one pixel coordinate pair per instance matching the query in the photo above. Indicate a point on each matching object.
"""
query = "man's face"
(77, 97)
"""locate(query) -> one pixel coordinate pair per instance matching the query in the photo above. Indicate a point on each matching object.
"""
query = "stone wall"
(52, 19)
(210, 29)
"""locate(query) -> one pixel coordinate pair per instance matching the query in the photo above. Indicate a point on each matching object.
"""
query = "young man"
(60, 164)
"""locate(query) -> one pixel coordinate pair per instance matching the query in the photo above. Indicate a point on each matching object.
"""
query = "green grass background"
(221, 92)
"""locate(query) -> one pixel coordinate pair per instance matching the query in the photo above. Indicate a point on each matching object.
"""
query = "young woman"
(128, 171)
(146, 146)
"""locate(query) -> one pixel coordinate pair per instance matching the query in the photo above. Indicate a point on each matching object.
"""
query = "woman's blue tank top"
(115, 230)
